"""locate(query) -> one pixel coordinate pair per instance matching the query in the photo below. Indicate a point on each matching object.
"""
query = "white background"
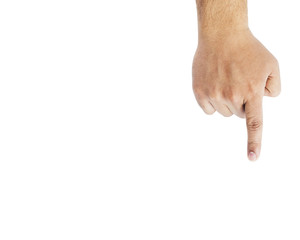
(101, 137)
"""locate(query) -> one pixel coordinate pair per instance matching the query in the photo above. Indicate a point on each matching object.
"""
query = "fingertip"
(252, 156)
(210, 111)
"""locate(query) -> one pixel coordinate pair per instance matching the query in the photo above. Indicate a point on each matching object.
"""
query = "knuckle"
(254, 145)
(251, 91)
(254, 125)
(234, 98)
(214, 96)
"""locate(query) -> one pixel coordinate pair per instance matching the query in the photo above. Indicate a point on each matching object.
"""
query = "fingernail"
(252, 156)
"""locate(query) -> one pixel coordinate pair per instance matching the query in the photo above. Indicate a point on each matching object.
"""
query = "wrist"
(215, 34)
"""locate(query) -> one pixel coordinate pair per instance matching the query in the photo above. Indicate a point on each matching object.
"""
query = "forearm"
(221, 16)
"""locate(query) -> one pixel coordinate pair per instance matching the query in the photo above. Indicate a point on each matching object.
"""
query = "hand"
(231, 74)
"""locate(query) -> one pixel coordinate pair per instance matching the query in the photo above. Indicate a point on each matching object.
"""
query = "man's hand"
(232, 71)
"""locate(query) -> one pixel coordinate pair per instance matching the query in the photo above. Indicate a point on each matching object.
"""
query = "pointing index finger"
(254, 121)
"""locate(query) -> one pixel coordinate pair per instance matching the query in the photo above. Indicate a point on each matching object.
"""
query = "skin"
(232, 70)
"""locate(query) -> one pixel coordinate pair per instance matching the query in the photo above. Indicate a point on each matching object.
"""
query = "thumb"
(273, 84)
(254, 121)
